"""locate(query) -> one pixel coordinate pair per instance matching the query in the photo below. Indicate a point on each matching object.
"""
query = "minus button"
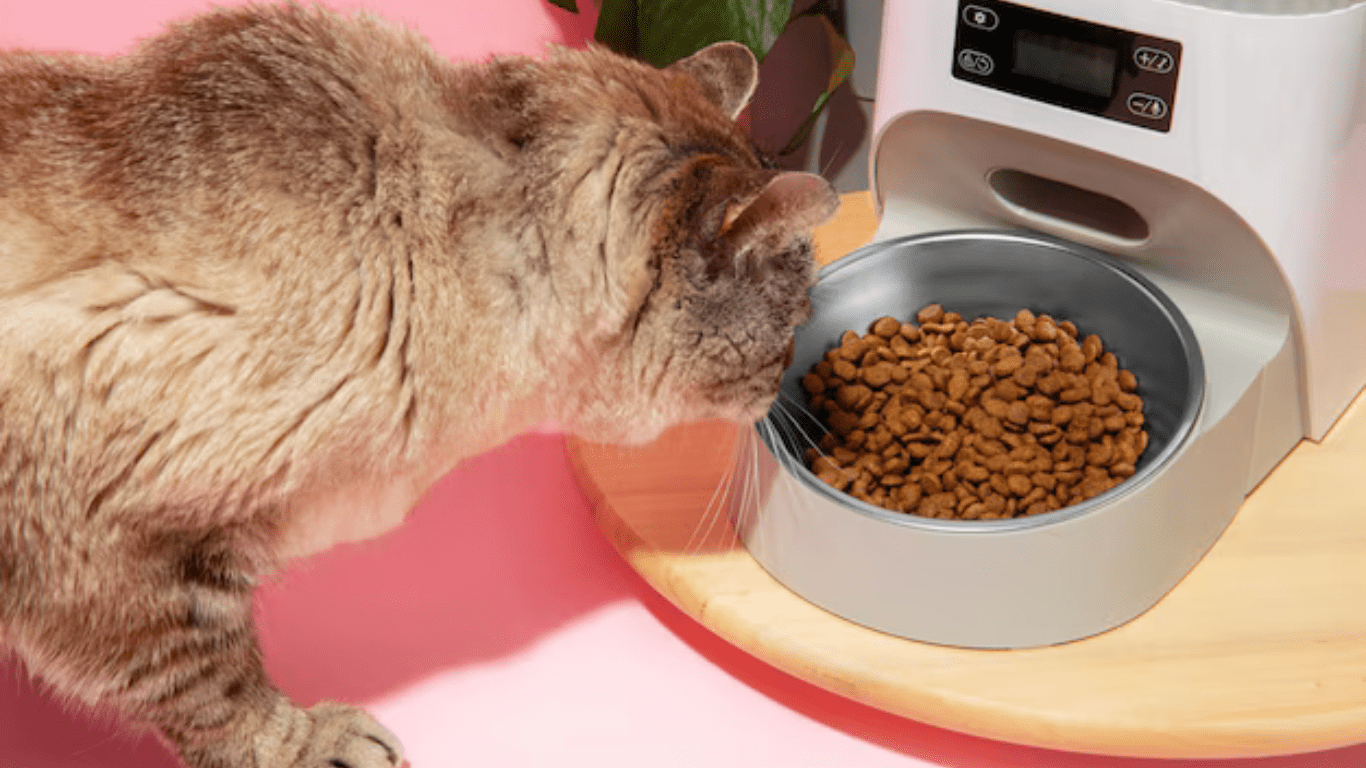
(1147, 105)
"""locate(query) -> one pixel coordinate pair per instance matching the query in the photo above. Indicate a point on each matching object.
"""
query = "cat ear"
(727, 72)
(791, 202)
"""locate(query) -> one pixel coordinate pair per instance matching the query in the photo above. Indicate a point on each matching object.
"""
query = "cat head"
(718, 275)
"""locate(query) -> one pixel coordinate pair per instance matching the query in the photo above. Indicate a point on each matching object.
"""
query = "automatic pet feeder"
(1174, 175)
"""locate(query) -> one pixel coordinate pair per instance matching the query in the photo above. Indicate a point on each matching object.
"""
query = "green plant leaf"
(568, 5)
(617, 24)
(668, 30)
(842, 54)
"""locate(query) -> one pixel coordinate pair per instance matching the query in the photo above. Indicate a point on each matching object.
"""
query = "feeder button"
(1147, 105)
(1153, 60)
(979, 17)
(975, 62)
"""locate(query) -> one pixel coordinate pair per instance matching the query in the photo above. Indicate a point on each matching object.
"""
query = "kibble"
(977, 420)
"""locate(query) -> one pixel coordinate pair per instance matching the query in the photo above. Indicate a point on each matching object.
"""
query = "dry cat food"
(983, 420)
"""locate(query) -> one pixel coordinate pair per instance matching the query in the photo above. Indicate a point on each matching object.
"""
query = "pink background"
(497, 627)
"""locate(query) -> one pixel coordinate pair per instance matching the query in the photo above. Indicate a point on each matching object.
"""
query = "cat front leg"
(166, 638)
(323, 736)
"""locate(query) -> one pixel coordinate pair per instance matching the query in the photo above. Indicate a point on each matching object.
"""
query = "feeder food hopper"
(1169, 175)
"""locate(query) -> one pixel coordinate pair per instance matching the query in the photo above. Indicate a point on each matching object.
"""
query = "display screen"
(1084, 67)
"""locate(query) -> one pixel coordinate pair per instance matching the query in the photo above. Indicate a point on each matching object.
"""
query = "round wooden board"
(1260, 650)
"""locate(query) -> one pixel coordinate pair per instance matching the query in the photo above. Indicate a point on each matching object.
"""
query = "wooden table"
(1260, 650)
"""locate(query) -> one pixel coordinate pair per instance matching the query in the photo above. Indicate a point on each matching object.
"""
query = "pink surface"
(497, 628)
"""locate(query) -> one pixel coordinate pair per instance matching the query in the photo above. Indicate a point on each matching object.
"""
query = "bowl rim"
(1189, 417)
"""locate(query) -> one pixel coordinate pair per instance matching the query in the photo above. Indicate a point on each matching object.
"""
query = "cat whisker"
(706, 522)
(795, 427)
(753, 510)
(750, 504)
(715, 505)
(794, 434)
(747, 488)
(804, 411)
(830, 163)
(724, 511)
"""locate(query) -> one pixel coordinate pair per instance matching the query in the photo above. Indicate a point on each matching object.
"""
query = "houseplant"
(664, 31)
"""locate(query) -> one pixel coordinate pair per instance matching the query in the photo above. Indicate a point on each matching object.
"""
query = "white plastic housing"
(1269, 118)
(1249, 214)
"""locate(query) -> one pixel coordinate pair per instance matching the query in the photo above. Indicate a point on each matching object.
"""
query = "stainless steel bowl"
(848, 556)
(995, 274)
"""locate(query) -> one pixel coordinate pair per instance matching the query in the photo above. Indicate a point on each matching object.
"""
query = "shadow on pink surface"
(936, 746)
(501, 551)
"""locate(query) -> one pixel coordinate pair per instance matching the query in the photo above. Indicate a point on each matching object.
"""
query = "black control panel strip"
(1112, 73)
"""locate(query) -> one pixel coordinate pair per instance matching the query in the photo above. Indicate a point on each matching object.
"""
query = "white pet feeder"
(1195, 152)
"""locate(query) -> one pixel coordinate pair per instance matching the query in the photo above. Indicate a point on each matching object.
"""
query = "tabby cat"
(269, 276)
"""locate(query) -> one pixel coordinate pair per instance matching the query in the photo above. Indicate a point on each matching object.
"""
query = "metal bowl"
(845, 554)
(995, 274)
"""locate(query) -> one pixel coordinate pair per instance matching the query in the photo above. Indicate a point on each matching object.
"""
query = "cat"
(269, 276)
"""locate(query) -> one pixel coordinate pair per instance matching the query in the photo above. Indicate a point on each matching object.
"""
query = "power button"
(979, 17)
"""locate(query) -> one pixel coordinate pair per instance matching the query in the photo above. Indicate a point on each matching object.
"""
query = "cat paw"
(348, 737)
(326, 736)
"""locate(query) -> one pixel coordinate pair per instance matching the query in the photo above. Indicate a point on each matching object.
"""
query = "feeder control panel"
(1100, 70)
